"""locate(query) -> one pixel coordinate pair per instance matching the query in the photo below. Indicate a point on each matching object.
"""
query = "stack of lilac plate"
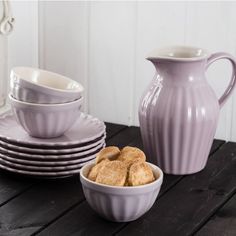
(51, 158)
(47, 135)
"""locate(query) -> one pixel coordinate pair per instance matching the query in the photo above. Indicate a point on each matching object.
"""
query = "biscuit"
(140, 173)
(129, 155)
(95, 169)
(108, 153)
(112, 173)
(130, 162)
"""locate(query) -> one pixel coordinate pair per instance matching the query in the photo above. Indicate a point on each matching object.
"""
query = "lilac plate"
(40, 173)
(85, 129)
(42, 168)
(50, 151)
(50, 157)
(46, 162)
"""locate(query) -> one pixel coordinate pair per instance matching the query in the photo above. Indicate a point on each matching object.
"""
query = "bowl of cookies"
(120, 185)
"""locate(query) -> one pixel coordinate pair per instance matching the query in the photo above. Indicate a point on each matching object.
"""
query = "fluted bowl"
(45, 120)
(120, 204)
(40, 86)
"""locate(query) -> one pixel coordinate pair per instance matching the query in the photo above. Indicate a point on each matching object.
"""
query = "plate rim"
(65, 143)
(27, 156)
(49, 151)
(43, 168)
(35, 173)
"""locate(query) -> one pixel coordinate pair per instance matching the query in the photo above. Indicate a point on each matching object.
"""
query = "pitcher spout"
(179, 63)
(178, 53)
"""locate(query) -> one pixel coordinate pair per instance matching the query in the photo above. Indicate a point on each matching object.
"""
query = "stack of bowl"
(47, 135)
(45, 104)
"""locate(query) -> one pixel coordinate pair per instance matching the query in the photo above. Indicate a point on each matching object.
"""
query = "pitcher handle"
(222, 55)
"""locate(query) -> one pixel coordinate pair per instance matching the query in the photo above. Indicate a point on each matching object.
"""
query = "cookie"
(140, 173)
(129, 155)
(108, 153)
(112, 173)
(95, 169)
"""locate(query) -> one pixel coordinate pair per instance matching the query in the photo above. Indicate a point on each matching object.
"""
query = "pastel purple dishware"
(50, 151)
(45, 120)
(40, 86)
(85, 130)
(120, 204)
(179, 111)
(44, 157)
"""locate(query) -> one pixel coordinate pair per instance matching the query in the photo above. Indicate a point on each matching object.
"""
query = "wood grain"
(70, 225)
(193, 200)
(61, 49)
(111, 55)
(104, 46)
(45, 201)
(223, 222)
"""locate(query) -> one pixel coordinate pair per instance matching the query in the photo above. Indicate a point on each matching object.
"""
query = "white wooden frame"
(104, 45)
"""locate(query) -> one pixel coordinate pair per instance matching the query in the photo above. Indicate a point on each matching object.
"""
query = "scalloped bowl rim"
(155, 169)
(39, 86)
(22, 104)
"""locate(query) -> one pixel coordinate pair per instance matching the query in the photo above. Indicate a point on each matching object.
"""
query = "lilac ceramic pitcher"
(179, 111)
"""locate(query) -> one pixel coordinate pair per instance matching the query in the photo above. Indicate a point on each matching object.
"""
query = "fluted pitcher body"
(179, 111)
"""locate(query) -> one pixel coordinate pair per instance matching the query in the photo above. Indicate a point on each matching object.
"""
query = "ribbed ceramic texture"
(178, 126)
(46, 121)
(39, 86)
(120, 204)
(50, 162)
(42, 170)
(46, 125)
(45, 152)
(32, 156)
(86, 130)
(30, 95)
(179, 111)
(178, 119)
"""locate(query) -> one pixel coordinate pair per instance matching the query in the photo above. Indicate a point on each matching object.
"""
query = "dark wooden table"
(199, 204)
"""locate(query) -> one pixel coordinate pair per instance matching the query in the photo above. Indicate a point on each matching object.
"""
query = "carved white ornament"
(7, 22)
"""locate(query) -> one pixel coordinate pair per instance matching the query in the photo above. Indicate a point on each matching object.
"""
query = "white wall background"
(21, 46)
(103, 45)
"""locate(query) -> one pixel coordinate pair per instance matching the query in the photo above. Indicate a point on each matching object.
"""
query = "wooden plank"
(171, 180)
(216, 35)
(79, 220)
(193, 200)
(65, 53)
(19, 232)
(111, 60)
(113, 129)
(124, 137)
(154, 31)
(3, 66)
(223, 222)
(39, 205)
(47, 200)
(25, 33)
(12, 185)
(217, 143)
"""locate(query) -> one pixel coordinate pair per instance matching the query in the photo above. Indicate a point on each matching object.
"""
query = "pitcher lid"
(178, 53)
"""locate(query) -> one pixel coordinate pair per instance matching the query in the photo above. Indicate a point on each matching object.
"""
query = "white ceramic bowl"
(120, 204)
(45, 120)
(41, 86)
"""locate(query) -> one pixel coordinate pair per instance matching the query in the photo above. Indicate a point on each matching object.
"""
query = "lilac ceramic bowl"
(40, 86)
(120, 204)
(45, 120)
